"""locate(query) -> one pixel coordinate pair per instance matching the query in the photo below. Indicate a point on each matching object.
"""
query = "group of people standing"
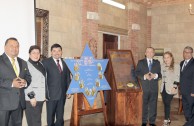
(149, 71)
(26, 85)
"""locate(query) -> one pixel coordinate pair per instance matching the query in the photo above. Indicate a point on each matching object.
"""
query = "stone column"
(139, 29)
(90, 26)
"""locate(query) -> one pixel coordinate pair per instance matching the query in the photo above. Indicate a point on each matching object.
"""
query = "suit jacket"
(57, 83)
(142, 69)
(170, 76)
(187, 77)
(10, 96)
(38, 84)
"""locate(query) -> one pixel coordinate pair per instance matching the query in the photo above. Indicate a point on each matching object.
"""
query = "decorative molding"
(93, 46)
(112, 29)
(92, 15)
(44, 14)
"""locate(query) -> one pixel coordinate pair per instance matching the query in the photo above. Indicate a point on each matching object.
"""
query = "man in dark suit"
(14, 77)
(58, 79)
(187, 85)
(148, 71)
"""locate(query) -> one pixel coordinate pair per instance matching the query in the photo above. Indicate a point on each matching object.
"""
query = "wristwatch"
(31, 94)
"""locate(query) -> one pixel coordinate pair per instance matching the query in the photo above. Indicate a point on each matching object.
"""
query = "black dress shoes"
(144, 124)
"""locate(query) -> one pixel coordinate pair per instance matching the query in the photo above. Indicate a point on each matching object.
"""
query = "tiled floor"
(98, 120)
(177, 120)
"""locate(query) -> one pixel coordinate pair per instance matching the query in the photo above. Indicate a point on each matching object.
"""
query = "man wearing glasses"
(187, 85)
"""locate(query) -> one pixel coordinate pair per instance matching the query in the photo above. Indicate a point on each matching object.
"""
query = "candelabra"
(190, 9)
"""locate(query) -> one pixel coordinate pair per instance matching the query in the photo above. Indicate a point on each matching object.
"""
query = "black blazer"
(187, 77)
(142, 69)
(57, 83)
(9, 96)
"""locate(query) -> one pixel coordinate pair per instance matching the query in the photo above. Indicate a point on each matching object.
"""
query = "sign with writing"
(88, 75)
(124, 69)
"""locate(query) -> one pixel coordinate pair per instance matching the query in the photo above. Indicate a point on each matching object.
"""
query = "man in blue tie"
(148, 71)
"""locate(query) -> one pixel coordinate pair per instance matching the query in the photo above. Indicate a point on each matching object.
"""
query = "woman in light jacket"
(36, 93)
(170, 78)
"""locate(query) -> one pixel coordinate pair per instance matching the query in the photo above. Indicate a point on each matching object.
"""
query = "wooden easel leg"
(74, 114)
(78, 100)
(180, 109)
(104, 108)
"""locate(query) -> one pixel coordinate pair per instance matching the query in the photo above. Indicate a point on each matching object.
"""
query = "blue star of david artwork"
(88, 75)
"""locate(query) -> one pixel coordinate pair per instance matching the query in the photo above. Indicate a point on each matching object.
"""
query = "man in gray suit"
(14, 77)
(148, 71)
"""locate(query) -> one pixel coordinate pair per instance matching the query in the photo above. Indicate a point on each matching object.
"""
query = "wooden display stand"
(79, 110)
(124, 103)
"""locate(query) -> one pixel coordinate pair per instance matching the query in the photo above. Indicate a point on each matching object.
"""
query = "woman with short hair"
(35, 94)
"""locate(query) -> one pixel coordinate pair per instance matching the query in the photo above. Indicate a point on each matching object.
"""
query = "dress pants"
(149, 107)
(188, 108)
(33, 114)
(166, 98)
(11, 117)
(55, 108)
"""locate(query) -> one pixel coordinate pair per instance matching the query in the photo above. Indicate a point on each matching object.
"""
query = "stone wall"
(138, 38)
(65, 19)
(172, 26)
(112, 16)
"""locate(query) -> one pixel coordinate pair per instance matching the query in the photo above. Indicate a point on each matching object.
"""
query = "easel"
(77, 109)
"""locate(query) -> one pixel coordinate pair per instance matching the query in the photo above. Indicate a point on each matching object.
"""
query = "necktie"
(59, 67)
(150, 65)
(14, 67)
(184, 65)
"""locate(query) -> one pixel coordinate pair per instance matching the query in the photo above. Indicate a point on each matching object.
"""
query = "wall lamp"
(190, 9)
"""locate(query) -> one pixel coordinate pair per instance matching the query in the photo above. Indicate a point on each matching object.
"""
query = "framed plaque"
(124, 70)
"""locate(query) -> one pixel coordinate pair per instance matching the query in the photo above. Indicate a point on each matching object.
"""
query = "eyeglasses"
(187, 52)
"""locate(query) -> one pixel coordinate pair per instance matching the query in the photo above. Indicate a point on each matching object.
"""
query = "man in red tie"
(58, 79)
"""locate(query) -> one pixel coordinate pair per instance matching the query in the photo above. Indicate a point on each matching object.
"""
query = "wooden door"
(109, 42)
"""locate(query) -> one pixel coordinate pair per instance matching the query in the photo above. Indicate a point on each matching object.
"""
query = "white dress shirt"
(60, 62)
(148, 62)
(17, 66)
(185, 64)
(16, 63)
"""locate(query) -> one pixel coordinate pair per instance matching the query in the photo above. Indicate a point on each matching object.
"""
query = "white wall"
(17, 20)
